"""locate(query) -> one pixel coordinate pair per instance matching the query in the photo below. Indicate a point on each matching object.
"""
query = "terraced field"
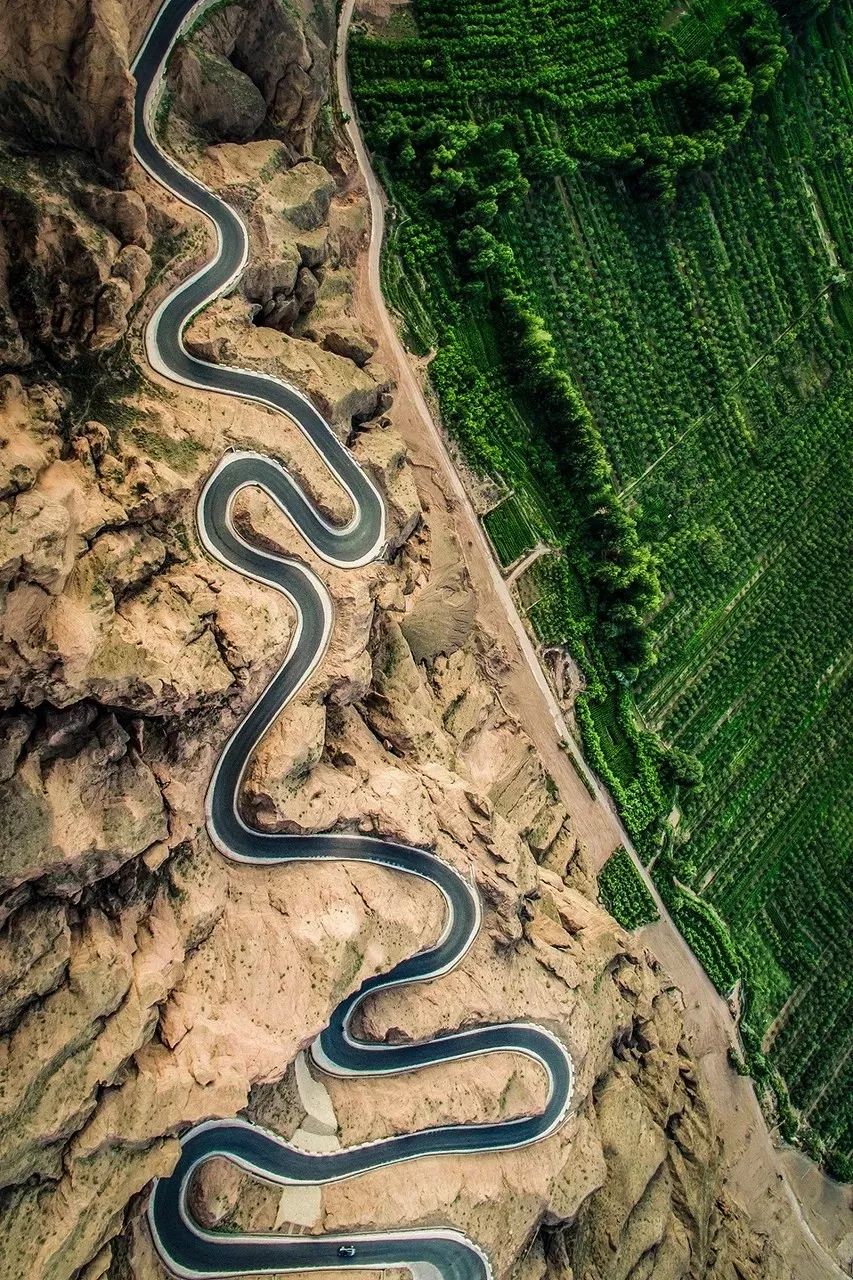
(625, 228)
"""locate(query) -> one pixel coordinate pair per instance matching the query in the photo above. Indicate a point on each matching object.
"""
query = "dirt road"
(759, 1179)
(541, 549)
(526, 685)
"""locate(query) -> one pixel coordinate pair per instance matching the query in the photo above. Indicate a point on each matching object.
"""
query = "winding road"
(185, 1247)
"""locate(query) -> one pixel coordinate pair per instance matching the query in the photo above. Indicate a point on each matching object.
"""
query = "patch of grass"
(98, 386)
(182, 455)
(167, 248)
(401, 25)
(164, 108)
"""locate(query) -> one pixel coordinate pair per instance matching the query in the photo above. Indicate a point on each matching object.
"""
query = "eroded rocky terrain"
(145, 983)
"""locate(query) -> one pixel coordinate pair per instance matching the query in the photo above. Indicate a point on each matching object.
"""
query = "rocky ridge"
(145, 983)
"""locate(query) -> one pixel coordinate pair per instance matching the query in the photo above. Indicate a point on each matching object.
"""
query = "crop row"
(686, 363)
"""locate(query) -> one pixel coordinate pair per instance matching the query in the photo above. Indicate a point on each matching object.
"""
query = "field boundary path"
(535, 553)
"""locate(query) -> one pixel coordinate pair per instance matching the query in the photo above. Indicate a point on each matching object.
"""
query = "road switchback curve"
(186, 1248)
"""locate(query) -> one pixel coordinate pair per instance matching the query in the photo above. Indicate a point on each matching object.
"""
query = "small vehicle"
(346, 1251)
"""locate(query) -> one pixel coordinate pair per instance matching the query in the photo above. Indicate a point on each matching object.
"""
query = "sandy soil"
(827, 1205)
(760, 1172)
(764, 1179)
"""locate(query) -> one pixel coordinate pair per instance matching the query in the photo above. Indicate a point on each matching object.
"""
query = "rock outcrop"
(74, 259)
(64, 74)
(256, 67)
(146, 983)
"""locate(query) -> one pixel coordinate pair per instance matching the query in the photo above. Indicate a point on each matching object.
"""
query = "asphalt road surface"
(185, 1247)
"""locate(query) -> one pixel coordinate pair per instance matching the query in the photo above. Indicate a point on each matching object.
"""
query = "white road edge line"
(512, 1033)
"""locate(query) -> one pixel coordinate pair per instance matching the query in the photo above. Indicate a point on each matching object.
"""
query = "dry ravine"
(146, 984)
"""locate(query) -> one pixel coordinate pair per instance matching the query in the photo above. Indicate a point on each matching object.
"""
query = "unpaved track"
(541, 549)
(528, 693)
(758, 1177)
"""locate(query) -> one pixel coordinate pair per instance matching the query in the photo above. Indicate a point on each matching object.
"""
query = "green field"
(623, 892)
(510, 529)
(625, 228)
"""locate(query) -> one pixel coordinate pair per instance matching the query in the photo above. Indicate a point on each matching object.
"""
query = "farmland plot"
(631, 228)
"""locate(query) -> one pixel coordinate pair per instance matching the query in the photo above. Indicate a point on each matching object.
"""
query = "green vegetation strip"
(624, 894)
(625, 229)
